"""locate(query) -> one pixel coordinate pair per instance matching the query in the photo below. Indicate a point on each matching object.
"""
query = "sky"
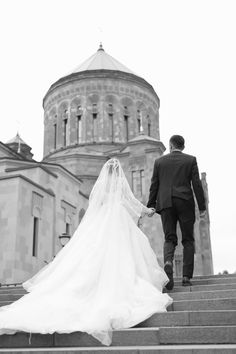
(185, 49)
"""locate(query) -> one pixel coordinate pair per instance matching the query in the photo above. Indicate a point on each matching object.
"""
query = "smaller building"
(39, 202)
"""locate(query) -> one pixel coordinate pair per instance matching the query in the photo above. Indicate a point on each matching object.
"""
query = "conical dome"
(16, 140)
(19, 145)
(101, 61)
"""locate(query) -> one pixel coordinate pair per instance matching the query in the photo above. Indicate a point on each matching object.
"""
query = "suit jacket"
(175, 175)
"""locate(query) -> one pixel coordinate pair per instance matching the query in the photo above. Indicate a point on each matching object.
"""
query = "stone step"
(194, 295)
(209, 281)
(186, 303)
(188, 295)
(191, 318)
(198, 335)
(211, 287)
(206, 304)
(5, 303)
(221, 276)
(128, 337)
(190, 304)
(10, 297)
(18, 290)
(216, 277)
(198, 285)
(160, 349)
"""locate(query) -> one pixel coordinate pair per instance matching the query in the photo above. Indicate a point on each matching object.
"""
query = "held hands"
(148, 211)
(151, 212)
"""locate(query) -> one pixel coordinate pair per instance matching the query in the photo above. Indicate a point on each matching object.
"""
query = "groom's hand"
(151, 212)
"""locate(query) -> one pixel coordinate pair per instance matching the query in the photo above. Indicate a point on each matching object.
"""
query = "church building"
(98, 111)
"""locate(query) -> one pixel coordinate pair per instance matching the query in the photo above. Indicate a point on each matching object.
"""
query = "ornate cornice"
(99, 74)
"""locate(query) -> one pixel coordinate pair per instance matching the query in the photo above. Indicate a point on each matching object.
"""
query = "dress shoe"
(168, 268)
(186, 281)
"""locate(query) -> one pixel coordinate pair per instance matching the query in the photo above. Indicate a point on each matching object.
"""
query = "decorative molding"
(99, 74)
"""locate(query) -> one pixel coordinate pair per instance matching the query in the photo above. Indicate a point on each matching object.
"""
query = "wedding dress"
(106, 277)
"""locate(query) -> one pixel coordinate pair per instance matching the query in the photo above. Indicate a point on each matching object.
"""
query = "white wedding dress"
(106, 277)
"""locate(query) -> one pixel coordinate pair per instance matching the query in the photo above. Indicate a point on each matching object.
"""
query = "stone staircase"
(202, 319)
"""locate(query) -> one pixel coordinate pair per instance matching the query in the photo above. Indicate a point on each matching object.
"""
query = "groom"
(171, 195)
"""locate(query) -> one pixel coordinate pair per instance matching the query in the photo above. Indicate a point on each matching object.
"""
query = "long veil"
(112, 189)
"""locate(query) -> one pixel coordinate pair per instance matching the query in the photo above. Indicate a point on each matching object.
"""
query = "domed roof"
(101, 61)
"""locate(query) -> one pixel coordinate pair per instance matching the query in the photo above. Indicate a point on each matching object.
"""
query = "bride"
(106, 278)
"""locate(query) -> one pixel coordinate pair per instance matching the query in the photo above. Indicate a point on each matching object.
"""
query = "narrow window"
(149, 125)
(55, 135)
(126, 123)
(95, 127)
(111, 122)
(35, 236)
(149, 129)
(67, 228)
(126, 120)
(65, 132)
(79, 124)
(142, 183)
(135, 182)
(139, 121)
(79, 129)
(139, 125)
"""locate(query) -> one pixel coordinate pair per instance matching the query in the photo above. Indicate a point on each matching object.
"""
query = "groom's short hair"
(177, 141)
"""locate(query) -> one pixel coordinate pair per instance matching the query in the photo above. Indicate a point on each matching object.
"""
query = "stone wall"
(8, 226)
(52, 196)
(102, 97)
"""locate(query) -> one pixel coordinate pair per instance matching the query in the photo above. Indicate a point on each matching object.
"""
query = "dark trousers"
(184, 212)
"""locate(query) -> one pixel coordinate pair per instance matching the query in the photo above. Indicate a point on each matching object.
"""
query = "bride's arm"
(135, 208)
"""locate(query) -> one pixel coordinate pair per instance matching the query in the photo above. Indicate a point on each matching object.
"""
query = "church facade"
(100, 110)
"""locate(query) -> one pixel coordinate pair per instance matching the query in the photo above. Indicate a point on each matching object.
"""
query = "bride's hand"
(148, 211)
(151, 212)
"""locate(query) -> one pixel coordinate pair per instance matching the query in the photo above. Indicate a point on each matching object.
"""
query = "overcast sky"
(185, 49)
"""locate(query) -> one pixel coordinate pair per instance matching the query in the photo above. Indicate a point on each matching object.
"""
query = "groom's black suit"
(171, 194)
